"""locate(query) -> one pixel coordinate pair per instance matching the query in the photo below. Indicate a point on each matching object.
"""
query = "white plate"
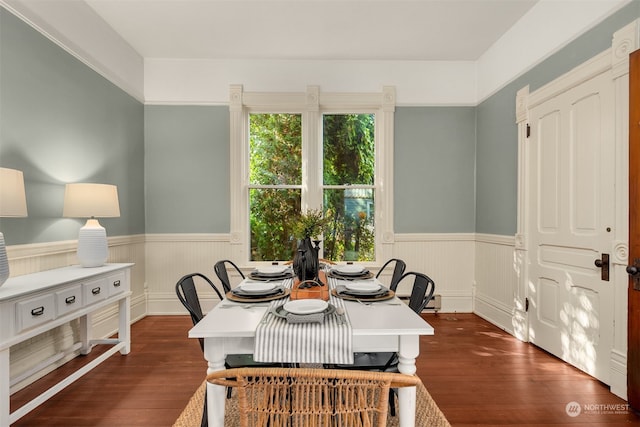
(349, 269)
(362, 286)
(306, 306)
(275, 270)
(257, 287)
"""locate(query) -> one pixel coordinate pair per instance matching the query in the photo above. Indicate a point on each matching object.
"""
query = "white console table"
(35, 303)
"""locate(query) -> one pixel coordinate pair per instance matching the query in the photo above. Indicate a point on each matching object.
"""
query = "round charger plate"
(382, 297)
(254, 275)
(275, 270)
(365, 275)
(350, 269)
(257, 288)
(238, 298)
(362, 286)
(280, 311)
(306, 306)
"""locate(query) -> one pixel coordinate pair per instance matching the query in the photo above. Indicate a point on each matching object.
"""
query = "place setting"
(363, 290)
(272, 273)
(304, 311)
(350, 272)
(256, 291)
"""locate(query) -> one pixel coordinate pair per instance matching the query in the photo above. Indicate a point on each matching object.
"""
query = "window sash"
(313, 105)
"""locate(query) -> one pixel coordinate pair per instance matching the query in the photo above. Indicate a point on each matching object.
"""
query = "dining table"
(233, 327)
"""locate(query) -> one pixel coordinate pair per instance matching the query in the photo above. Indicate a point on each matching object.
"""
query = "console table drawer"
(35, 311)
(95, 291)
(117, 283)
(69, 300)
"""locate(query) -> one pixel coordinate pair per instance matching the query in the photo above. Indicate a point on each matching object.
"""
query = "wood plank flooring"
(476, 373)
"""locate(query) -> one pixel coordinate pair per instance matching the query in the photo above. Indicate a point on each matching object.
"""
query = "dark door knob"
(632, 270)
(598, 263)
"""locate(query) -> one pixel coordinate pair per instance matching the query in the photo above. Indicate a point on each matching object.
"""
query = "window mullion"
(311, 152)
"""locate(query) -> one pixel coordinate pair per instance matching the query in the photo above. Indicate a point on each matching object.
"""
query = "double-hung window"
(293, 152)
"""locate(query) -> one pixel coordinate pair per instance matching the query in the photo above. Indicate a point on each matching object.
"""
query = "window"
(297, 151)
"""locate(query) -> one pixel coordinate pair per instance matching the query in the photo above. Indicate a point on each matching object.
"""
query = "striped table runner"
(280, 342)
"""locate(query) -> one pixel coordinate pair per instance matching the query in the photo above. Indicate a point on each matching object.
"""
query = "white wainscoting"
(496, 280)
(473, 273)
(447, 258)
(58, 345)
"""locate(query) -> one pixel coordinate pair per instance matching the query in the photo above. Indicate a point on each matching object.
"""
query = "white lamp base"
(93, 249)
(4, 262)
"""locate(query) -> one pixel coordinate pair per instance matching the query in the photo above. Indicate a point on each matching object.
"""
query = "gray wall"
(497, 137)
(434, 170)
(61, 122)
(456, 167)
(187, 169)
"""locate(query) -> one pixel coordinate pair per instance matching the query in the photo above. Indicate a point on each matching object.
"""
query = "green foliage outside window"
(275, 150)
(348, 162)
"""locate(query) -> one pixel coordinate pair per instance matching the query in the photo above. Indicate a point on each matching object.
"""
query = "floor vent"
(435, 304)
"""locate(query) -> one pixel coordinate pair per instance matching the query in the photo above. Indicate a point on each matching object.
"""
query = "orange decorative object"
(310, 289)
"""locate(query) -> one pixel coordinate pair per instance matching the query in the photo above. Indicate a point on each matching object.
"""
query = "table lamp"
(13, 203)
(84, 200)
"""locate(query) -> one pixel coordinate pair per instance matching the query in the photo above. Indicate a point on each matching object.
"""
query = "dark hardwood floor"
(476, 373)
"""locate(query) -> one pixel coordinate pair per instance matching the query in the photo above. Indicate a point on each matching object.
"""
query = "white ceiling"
(326, 29)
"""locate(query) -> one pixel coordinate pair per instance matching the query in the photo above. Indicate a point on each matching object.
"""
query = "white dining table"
(376, 327)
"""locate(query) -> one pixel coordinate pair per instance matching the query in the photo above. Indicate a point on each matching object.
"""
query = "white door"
(571, 215)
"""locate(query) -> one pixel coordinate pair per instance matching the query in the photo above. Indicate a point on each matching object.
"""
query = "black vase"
(305, 260)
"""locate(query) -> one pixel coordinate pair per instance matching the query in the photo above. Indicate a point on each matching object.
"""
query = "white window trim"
(241, 104)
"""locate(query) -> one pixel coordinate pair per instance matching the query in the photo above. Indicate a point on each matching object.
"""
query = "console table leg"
(124, 325)
(85, 334)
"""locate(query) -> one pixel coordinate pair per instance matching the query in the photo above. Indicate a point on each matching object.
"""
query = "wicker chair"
(280, 397)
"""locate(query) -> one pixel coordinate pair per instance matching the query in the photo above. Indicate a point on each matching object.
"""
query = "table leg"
(409, 349)
(216, 394)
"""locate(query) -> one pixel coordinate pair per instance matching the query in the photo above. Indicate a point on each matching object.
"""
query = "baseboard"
(494, 313)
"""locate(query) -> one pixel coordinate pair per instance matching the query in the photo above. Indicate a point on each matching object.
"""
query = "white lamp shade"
(85, 200)
(13, 202)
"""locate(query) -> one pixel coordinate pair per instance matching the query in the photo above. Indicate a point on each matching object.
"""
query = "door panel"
(572, 188)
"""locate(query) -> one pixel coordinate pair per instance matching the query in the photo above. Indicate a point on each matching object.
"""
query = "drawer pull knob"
(116, 283)
(38, 311)
(95, 291)
(70, 300)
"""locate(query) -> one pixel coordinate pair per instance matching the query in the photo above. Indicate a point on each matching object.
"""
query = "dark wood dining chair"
(221, 271)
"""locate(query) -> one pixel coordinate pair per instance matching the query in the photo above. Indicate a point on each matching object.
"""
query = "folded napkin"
(279, 341)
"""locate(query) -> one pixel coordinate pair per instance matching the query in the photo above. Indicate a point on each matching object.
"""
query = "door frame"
(616, 61)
